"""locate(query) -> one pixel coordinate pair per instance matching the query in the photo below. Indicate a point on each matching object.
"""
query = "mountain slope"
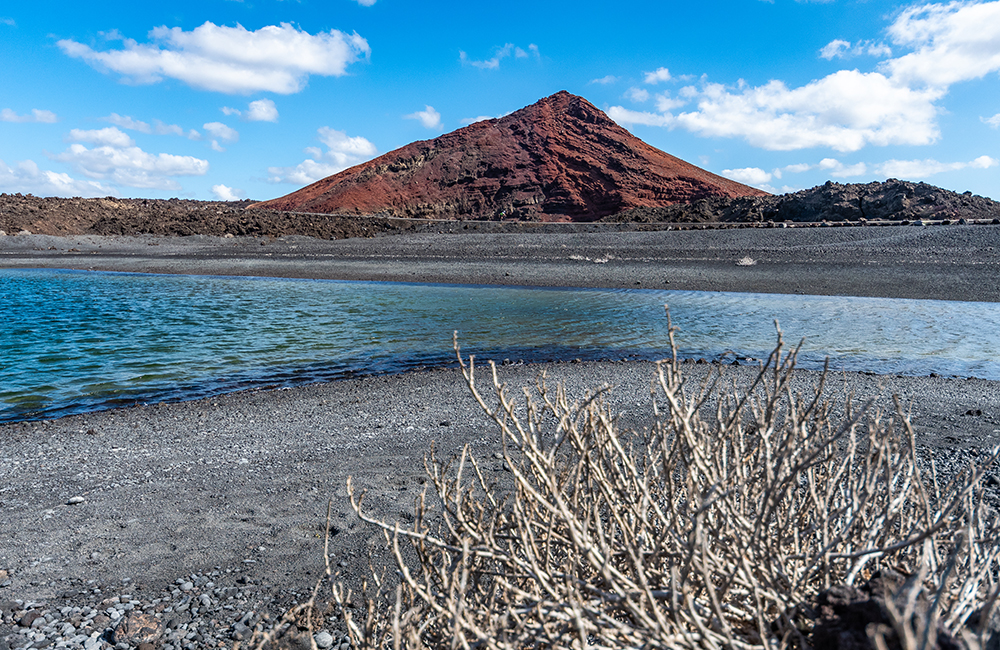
(560, 159)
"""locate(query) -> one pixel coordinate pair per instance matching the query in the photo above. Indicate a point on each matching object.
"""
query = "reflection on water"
(77, 341)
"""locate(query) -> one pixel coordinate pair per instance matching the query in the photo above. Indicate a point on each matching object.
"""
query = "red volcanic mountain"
(560, 159)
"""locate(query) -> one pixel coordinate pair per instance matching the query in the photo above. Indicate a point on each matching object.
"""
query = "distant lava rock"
(893, 200)
(560, 159)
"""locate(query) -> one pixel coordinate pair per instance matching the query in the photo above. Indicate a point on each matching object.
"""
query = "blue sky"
(229, 99)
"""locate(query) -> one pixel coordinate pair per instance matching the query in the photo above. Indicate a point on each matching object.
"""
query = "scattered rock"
(29, 618)
(136, 628)
(323, 640)
(72, 501)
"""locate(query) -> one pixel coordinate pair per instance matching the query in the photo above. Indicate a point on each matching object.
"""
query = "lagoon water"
(76, 341)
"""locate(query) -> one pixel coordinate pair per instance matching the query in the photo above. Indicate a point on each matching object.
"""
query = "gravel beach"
(204, 520)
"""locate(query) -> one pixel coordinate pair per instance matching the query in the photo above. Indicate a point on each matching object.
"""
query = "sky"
(232, 99)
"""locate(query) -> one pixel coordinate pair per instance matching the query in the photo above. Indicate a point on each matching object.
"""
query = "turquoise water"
(76, 341)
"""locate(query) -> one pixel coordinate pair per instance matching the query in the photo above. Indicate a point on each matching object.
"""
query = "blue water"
(75, 341)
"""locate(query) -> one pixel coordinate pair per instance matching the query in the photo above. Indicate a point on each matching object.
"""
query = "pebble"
(75, 500)
(198, 612)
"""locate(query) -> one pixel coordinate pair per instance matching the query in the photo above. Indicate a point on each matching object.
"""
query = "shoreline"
(941, 263)
(232, 490)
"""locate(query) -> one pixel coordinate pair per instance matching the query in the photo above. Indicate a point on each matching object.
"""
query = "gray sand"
(241, 482)
(935, 262)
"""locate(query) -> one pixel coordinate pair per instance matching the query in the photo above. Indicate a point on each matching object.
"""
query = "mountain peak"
(559, 159)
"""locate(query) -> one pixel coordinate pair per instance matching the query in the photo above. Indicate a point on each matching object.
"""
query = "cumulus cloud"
(844, 111)
(117, 160)
(365, 3)
(896, 104)
(226, 193)
(127, 122)
(840, 49)
(918, 169)
(262, 110)
(622, 115)
(658, 75)
(953, 42)
(343, 151)
(748, 175)
(609, 79)
(992, 121)
(220, 131)
(233, 60)
(158, 127)
(26, 176)
(638, 95)
(499, 54)
(36, 115)
(429, 117)
(109, 137)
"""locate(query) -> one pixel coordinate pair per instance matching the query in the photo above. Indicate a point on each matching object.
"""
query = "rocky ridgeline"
(892, 200)
(199, 611)
(27, 214)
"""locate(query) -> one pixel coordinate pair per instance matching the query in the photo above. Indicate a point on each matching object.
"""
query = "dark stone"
(29, 618)
(136, 628)
(843, 615)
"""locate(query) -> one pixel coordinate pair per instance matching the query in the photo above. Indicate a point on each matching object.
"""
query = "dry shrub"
(712, 529)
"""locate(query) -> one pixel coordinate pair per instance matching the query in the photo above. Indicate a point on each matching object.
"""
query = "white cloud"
(748, 175)
(658, 75)
(992, 121)
(231, 111)
(638, 95)
(952, 42)
(130, 165)
(665, 103)
(622, 115)
(127, 122)
(466, 121)
(160, 128)
(222, 132)
(25, 176)
(213, 57)
(838, 169)
(343, 151)
(917, 169)
(173, 129)
(835, 48)
(262, 110)
(226, 193)
(844, 111)
(366, 3)
(45, 117)
(609, 79)
(840, 49)
(499, 54)
(898, 104)
(109, 137)
(429, 117)
(8, 21)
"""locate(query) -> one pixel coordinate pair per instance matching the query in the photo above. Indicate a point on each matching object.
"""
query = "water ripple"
(78, 341)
